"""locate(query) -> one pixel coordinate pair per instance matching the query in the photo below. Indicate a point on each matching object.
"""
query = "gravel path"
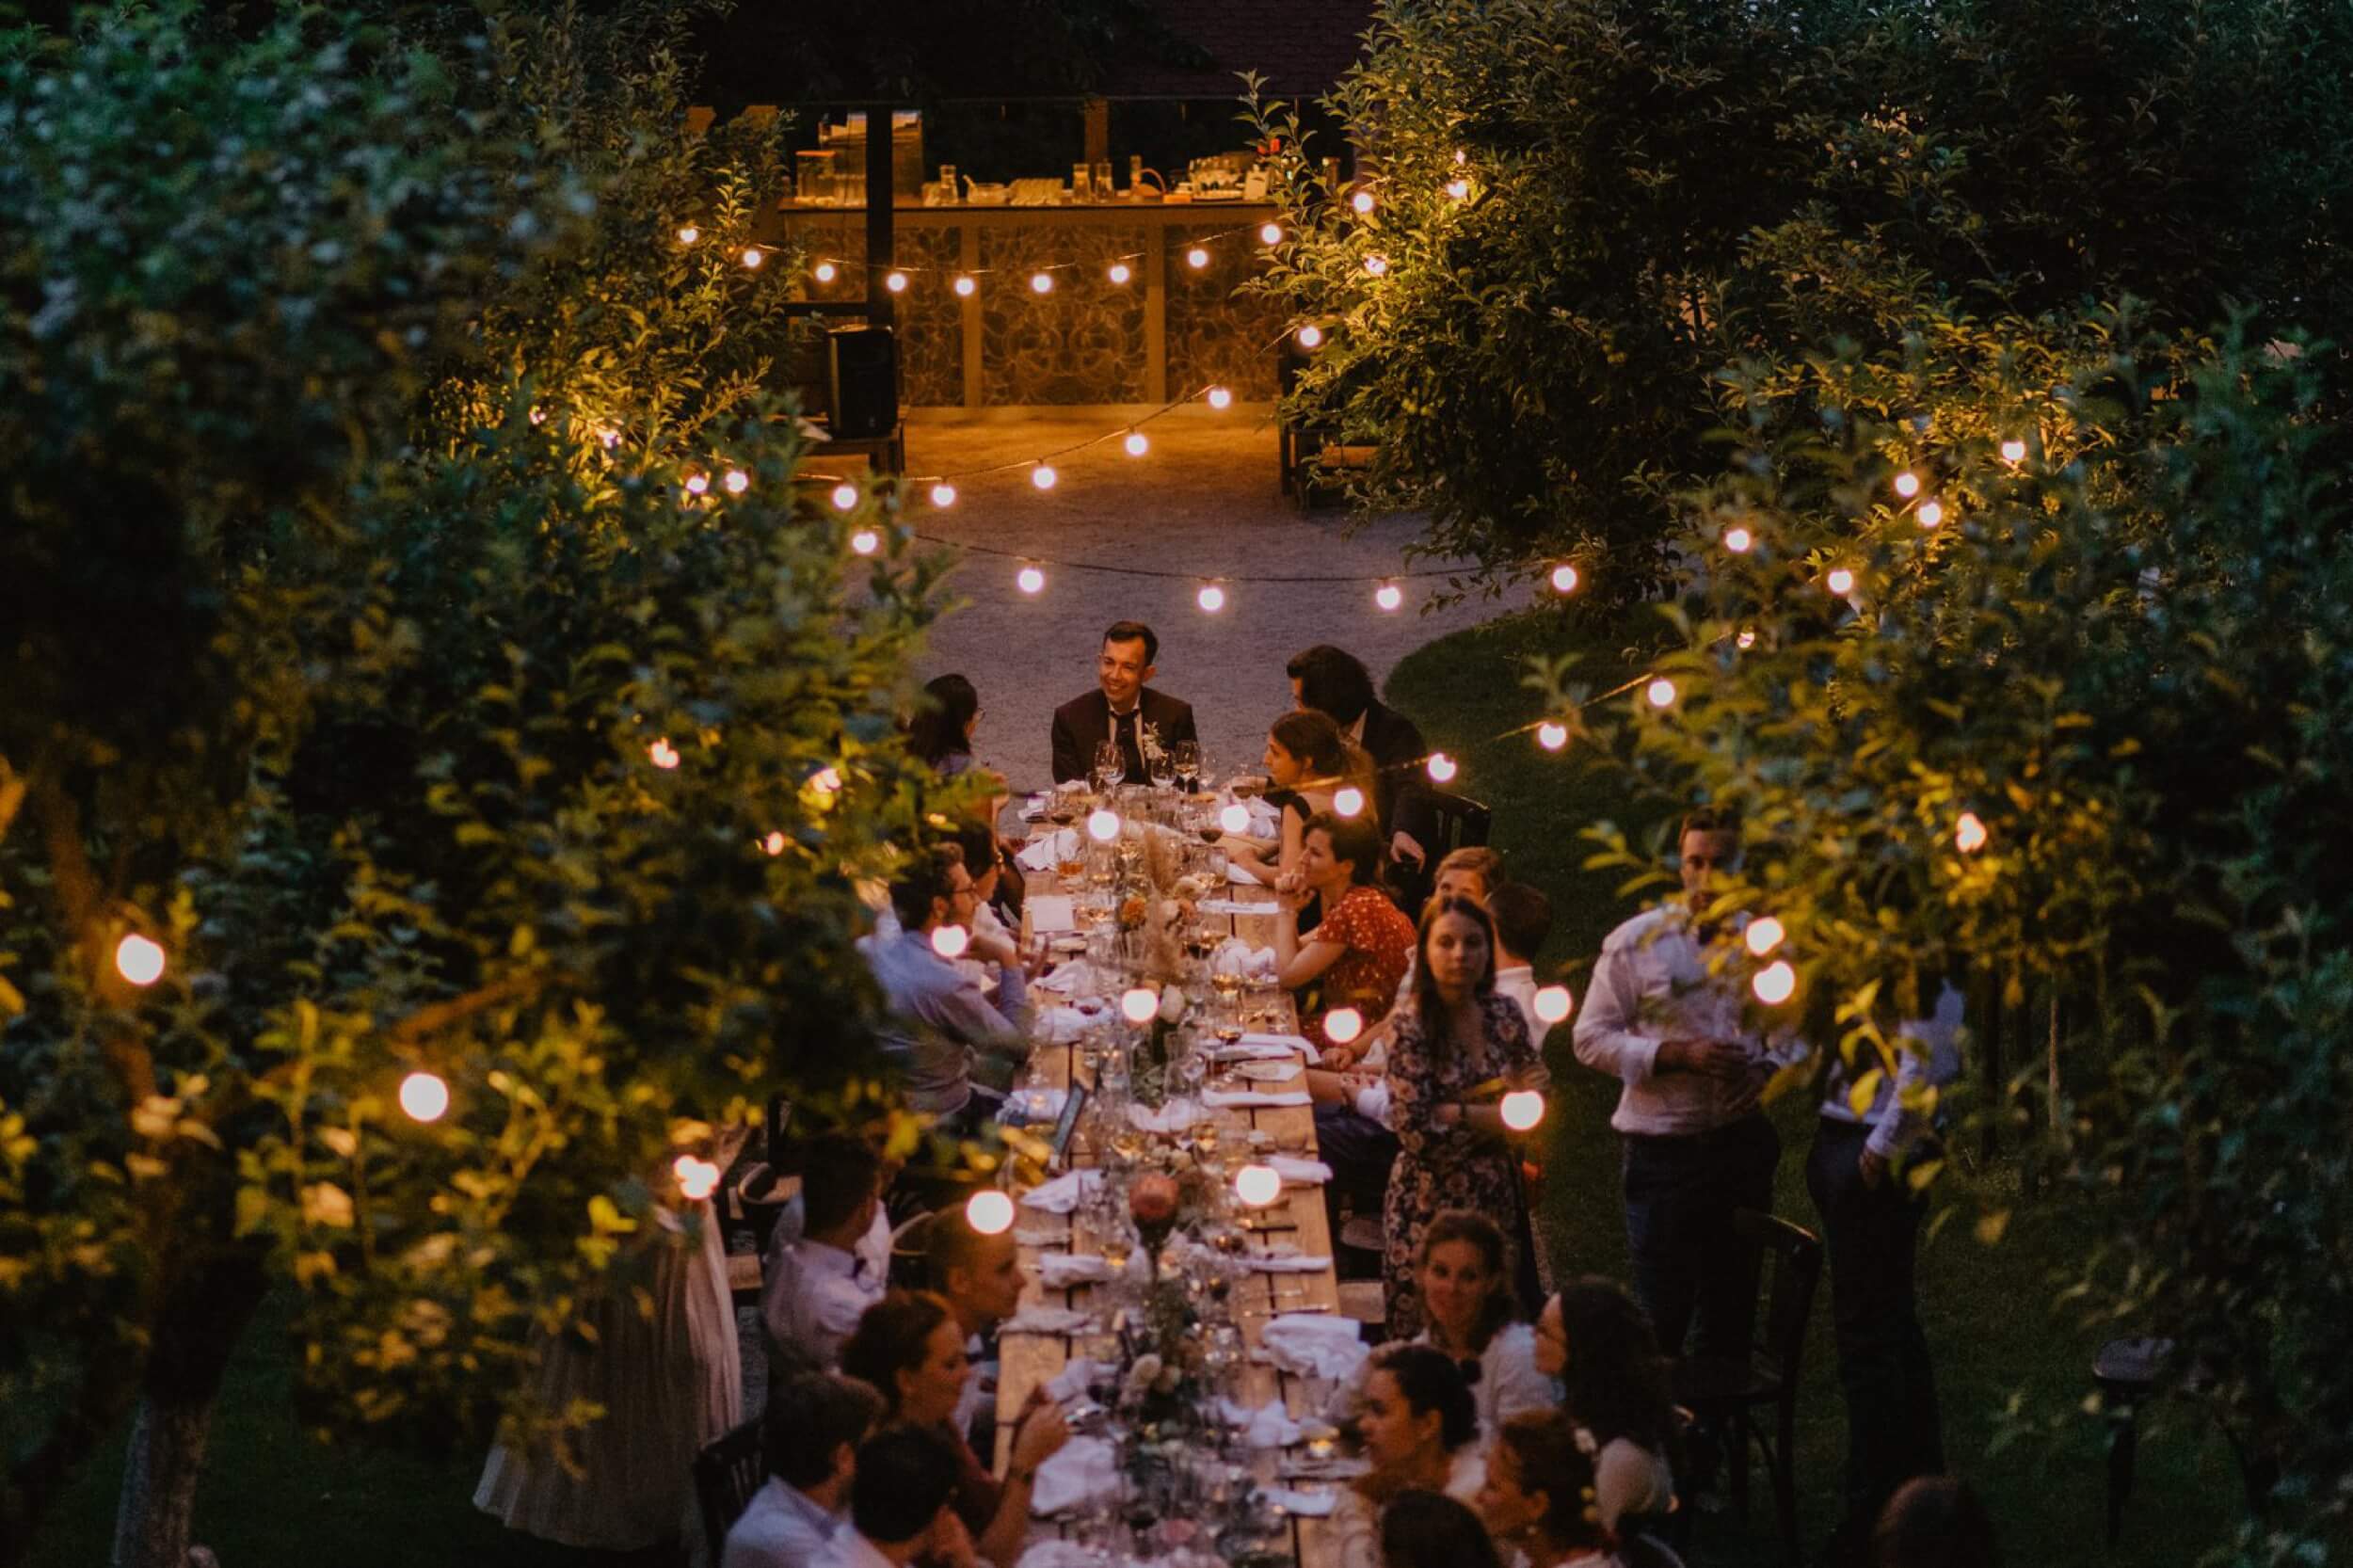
(1204, 501)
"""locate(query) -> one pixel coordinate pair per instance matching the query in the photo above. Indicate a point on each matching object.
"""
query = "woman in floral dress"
(1454, 1045)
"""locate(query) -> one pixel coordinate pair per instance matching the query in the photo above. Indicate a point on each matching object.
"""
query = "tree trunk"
(196, 1333)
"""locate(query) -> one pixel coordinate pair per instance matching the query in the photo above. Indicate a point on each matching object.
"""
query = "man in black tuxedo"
(1334, 682)
(1120, 702)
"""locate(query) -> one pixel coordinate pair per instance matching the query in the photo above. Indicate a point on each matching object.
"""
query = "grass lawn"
(1988, 1310)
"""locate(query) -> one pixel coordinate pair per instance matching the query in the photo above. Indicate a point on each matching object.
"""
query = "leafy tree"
(416, 634)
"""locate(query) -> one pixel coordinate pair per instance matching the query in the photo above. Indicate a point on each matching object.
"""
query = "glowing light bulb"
(1441, 766)
(1738, 540)
(1137, 443)
(774, 843)
(1271, 234)
(1763, 936)
(1746, 639)
(1522, 1110)
(1030, 580)
(1362, 201)
(1348, 801)
(1310, 336)
(844, 495)
(1212, 598)
(865, 541)
(538, 416)
(424, 1097)
(753, 256)
(826, 783)
(1552, 736)
(1221, 397)
(949, 941)
(989, 1213)
(1564, 579)
(1041, 282)
(696, 484)
(1969, 833)
(2013, 451)
(1554, 1003)
(895, 281)
(697, 1178)
(1121, 272)
(1775, 984)
(1043, 476)
(139, 959)
(825, 272)
(1840, 581)
(1907, 484)
(1343, 1024)
(662, 754)
(1137, 1004)
(1257, 1185)
(1660, 692)
(1377, 265)
(688, 233)
(1932, 512)
(943, 494)
(1389, 595)
(1459, 189)
(966, 287)
(608, 438)
(737, 481)
(1102, 824)
(1196, 258)
(1235, 819)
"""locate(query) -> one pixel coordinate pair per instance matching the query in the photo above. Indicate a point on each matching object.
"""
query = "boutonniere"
(1148, 738)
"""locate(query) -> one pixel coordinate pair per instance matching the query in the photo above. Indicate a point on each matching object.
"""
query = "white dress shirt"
(1896, 1129)
(1509, 1384)
(872, 1249)
(1652, 985)
(781, 1529)
(850, 1549)
(814, 1296)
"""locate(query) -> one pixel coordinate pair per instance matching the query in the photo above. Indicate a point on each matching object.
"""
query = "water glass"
(1110, 766)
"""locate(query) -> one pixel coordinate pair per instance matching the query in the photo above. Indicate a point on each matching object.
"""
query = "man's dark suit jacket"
(1395, 744)
(1084, 722)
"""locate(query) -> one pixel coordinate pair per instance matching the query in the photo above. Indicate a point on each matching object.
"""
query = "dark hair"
(1709, 818)
(1316, 740)
(951, 1242)
(1523, 917)
(1543, 1444)
(1430, 1529)
(906, 1475)
(976, 842)
(1135, 631)
(935, 733)
(1428, 1378)
(1333, 682)
(838, 1171)
(1615, 1383)
(1427, 1006)
(1354, 840)
(929, 874)
(1935, 1521)
(808, 1418)
(889, 1339)
(1495, 1253)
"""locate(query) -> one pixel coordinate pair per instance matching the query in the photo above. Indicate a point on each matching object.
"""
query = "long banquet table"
(1028, 1360)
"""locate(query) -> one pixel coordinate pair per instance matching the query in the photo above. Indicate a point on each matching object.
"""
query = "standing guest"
(1871, 1228)
(808, 1436)
(937, 1015)
(1419, 1428)
(1119, 707)
(1456, 1044)
(1540, 1499)
(1523, 917)
(1430, 1529)
(1359, 949)
(910, 1347)
(1334, 682)
(1697, 1146)
(817, 1283)
(980, 1276)
(941, 730)
(1593, 1337)
(1308, 764)
(1935, 1521)
(899, 1506)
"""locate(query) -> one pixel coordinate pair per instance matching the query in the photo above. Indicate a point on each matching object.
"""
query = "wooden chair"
(1441, 822)
(1729, 1393)
(727, 1473)
(2129, 1373)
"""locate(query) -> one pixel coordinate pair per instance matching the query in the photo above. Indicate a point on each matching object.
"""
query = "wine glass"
(1110, 766)
(1186, 757)
(1159, 765)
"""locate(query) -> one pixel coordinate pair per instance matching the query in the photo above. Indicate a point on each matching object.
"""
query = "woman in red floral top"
(1358, 951)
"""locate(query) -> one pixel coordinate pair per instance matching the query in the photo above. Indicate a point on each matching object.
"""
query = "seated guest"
(1306, 765)
(1359, 950)
(818, 1287)
(980, 1277)
(938, 1015)
(1593, 1337)
(899, 1511)
(1934, 1522)
(1430, 1529)
(996, 939)
(1539, 1498)
(941, 730)
(1119, 707)
(1419, 1429)
(910, 1347)
(1334, 682)
(808, 1436)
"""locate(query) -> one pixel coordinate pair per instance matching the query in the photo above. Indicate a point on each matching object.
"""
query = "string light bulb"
(662, 754)
(1553, 1003)
(943, 494)
(1930, 513)
(865, 541)
(949, 941)
(753, 256)
(1102, 824)
(989, 1213)
(896, 282)
(1137, 443)
(1389, 595)
(1745, 640)
(1969, 833)
(1221, 397)
(139, 959)
(688, 233)
(824, 272)
(966, 286)
(844, 496)
(1840, 581)
(1660, 692)
(1907, 484)
(737, 481)
(1552, 735)
(1458, 188)
(697, 1178)
(1196, 258)
(696, 484)
(1310, 336)
(1763, 936)
(1137, 1004)
(1441, 767)
(1030, 580)
(1235, 817)
(1348, 801)
(1041, 282)
(1775, 984)
(2013, 451)
(424, 1097)
(1362, 201)
(1043, 476)
(1377, 265)
(774, 843)
(1522, 1110)
(1343, 1024)
(1257, 1185)
(1212, 598)
(1271, 234)
(1564, 579)
(1121, 272)
(1739, 539)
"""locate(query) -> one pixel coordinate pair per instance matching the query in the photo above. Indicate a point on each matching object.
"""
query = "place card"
(1049, 913)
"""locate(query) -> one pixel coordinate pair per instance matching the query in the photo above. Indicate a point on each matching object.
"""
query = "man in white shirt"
(899, 1505)
(1696, 1145)
(939, 1017)
(980, 1278)
(817, 1285)
(810, 1436)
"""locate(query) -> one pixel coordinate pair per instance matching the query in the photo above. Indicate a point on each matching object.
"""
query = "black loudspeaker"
(862, 368)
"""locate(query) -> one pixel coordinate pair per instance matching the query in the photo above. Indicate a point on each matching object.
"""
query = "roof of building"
(1300, 47)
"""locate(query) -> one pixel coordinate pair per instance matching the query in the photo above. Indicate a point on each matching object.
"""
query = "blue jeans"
(1680, 1193)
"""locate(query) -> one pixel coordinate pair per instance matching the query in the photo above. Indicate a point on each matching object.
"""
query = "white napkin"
(1307, 1173)
(1040, 855)
(1267, 1427)
(1039, 1236)
(1265, 821)
(1297, 1044)
(1232, 906)
(1238, 873)
(1251, 1099)
(1243, 1051)
(1071, 1381)
(1273, 1263)
(1061, 1026)
(1234, 955)
(1051, 912)
(1307, 1505)
(1060, 1270)
(1033, 1105)
(1175, 1116)
(1048, 1321)
(1052, 1551)
(1314, 1344)
(1064, 1193)
(1086, 1468)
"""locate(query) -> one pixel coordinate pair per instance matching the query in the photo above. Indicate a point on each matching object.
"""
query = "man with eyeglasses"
(938, 1015)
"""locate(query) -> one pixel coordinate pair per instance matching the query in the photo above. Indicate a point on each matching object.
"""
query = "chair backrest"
(1797, 1268)
(727, 1473)
(1457, 822)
